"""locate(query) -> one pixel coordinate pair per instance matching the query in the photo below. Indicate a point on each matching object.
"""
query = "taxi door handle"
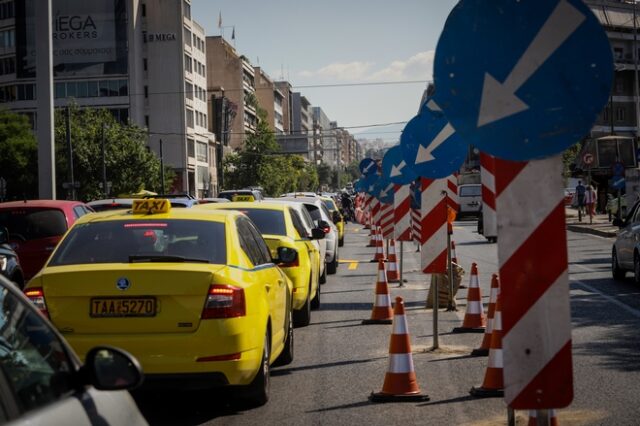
(267, 286)
(280, 283)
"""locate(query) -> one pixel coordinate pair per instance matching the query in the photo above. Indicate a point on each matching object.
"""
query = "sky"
(338, 42)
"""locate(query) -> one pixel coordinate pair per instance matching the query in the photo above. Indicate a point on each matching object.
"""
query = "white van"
(470, 199)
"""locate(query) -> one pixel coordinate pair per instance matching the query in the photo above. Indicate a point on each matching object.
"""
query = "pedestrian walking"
(580, 193)
(590, 198)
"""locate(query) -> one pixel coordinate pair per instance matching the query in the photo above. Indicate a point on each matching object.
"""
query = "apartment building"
(324, 135)
(270, 99)
(143, 60)
(232, 76)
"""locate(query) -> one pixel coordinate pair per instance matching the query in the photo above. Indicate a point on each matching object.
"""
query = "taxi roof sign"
(151, 206)
(243, 197)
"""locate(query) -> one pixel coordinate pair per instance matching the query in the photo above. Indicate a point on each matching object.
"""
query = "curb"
(586, 230)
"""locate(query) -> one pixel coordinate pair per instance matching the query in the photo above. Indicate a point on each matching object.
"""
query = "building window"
(145, 64)
(188, 90)
(201, 152)
(620, 114)
(189, 118)
(7, 10)
(146, 121)
(7, 65)
(144, 9)
(190, 148)
(146, 92)
(8, 38)
(618, 53)
(186, 9)
(187, 36)
(188, 63)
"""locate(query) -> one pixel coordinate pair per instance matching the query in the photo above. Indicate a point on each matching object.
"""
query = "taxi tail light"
(224, 301)
(36, 295)
(326, 229)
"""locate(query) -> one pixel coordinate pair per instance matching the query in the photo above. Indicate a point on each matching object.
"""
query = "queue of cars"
(196, 297)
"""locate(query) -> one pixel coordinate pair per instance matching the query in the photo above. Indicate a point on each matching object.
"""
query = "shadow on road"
(449, 401)
(341, 407)
(283, 371)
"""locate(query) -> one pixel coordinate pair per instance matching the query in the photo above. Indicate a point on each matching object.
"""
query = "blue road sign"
(430, 145)
(384, 191)
(368, 166)
(369, 182)
(617, 182)
(359, 186)
(526, 93)
(395, 168)
(618, 169)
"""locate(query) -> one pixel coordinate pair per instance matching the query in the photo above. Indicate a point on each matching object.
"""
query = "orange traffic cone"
(379, 246)
(400, 383)
(381, 312)
(392, 271)
(533, 418)
(372, 234)
(474, 319)
(493, 384)
(483, 350)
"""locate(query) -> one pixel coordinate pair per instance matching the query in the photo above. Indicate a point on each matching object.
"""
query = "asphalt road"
(339, 362)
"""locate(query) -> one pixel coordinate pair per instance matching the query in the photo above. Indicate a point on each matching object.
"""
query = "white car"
(470, 200)
(44, 382)
(322, 218)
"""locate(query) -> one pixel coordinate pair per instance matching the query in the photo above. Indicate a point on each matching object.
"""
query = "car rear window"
(314, 211)
(148, 240)
(110, 206)
(471, 191)
(267, 221)
(33, 223)
(329, 205)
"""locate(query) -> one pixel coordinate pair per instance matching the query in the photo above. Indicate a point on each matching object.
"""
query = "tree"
(130, 165)
(19, 158)
(324, 174)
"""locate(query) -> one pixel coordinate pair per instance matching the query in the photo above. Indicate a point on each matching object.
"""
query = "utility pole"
(72, 181)
(161, 169)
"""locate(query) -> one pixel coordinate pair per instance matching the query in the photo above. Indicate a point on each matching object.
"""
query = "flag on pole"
(220, 19)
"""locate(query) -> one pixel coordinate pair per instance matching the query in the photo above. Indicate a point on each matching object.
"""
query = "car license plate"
(114, 307)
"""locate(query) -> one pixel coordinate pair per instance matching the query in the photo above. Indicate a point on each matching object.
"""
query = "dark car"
(36, 226)
(9, 263)
(242, 195)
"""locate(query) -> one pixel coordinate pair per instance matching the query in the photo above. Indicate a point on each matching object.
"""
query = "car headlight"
(3, 262)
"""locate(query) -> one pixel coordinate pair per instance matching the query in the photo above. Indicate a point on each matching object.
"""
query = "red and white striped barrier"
(434, 226)
(402, 213)
(487, 178)
(375, 211)
(452, 191)
(386, 220)
(535, 284)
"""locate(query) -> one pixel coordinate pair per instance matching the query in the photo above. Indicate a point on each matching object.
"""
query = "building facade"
(143, 60)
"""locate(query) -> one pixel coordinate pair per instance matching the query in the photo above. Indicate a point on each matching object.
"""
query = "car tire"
(332, 267)
(302, 316)
(341, 242)
(257, 393)
(618, 274)
(286, 357)
(315, 302)
(323, 277)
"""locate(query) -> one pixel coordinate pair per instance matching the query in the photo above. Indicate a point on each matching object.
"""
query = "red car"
(36, 226)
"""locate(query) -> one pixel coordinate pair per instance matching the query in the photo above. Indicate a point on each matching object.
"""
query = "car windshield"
(267, 221)
(149, 240)
(33, 223)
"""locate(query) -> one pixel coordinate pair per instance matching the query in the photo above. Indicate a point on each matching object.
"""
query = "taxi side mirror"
(109, 368)
(317, 234)
(286, 255)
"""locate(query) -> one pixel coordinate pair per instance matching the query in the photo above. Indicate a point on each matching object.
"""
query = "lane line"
(611, 299)
(353, 266)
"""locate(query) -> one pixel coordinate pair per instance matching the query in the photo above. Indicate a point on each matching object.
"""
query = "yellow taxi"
(336, 217)
(281, 226)
(194, 295)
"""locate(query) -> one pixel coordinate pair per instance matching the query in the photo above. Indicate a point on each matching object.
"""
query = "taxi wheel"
(315, 302)
(302, 316)
(257, 393)
(323, 277)
(341, 242)
(618, 274)
(333, 266)
(286, 357)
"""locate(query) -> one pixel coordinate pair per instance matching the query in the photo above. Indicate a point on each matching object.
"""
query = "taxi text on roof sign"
(243, 198)
(151, 206)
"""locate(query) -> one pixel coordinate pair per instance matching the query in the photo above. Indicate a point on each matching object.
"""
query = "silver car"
(322, 219)
(625, 254)
(43, 381)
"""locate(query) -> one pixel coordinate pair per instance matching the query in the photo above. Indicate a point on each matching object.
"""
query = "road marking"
(353, 266)
(632, 311)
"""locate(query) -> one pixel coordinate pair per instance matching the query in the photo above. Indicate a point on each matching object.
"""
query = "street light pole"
(104, 165)
(162, 190)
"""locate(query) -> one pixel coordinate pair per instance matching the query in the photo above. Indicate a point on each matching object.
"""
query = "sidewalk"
(600, 224)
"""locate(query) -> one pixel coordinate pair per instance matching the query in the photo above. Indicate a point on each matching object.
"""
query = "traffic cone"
(493, 384)
(483, 350)
(381, 312)
(400, 383)
(393, 275)
(474, 319)
(372, 234)
(379, 246)
(533, 418)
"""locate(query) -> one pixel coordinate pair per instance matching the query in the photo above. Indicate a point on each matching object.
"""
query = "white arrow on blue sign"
(395, 168)
(430, 145)
(384, 191)
(368, 166)
(526, 87)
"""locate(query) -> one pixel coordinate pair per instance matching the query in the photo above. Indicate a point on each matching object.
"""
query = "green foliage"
(569, 158)
(325, 176)
(258, 163)
(19, 156)
(130, 165)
